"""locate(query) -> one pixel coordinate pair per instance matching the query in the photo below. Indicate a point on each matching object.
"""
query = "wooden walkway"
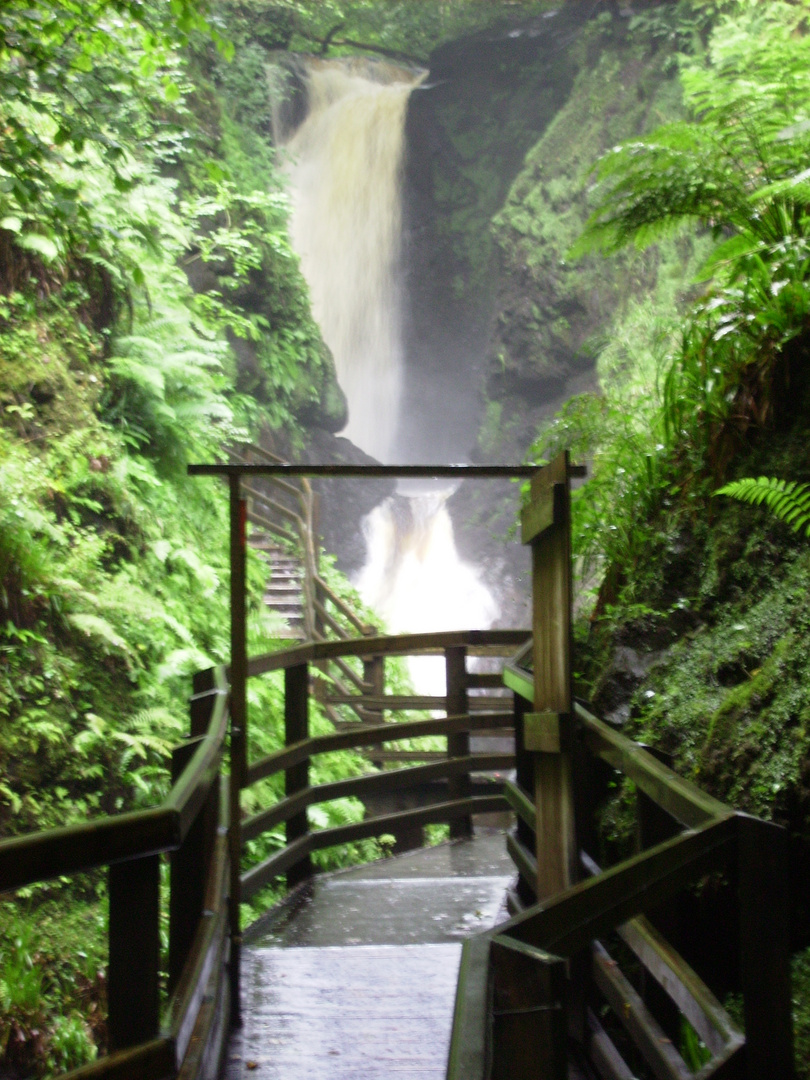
(357, 980)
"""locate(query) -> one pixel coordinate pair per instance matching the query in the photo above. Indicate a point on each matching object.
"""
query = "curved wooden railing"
(186, 1036)
(448, 786)
(543, 986)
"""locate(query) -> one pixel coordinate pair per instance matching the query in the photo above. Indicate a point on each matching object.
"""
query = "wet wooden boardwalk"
(357, 981)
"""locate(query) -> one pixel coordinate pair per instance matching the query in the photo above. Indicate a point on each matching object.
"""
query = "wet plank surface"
(361, 1013)
(356, 978)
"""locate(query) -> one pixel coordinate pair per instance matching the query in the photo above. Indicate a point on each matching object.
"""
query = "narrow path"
(357, 980)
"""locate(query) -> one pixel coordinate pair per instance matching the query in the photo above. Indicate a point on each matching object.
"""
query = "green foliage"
(786, 499)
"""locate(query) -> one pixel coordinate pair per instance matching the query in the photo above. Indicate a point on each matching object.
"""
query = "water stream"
(345, 170)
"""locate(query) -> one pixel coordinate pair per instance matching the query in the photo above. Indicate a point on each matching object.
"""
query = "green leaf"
(42, 245)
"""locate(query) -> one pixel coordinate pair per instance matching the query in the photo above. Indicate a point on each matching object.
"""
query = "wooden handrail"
(391, 645)
(186, 826)
(72, 849)
(372, 735)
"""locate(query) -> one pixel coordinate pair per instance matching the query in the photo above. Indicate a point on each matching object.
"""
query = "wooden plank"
(656, 1048)
(605, 1057)
(371, 784)
(359, 1013)
(74, 848)
(187, 872)
(544, 511)
(396, 645)
(521, 681)
(425, 472)
(296, 777)
(689, 993)
(682, 800)
(765, 949)
(541, 732)
(551, 627)
(468, 1057)
(458, 743)
(153, 1060)
(567, 922)
(528, 1012)
(133, 1006)
(520, 802)
(360, 735)
(522, 857)
(258, 876)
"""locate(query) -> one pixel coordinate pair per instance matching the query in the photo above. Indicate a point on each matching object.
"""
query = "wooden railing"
(543, 987)
(185, 1034)
(287, 509)
(447, 787)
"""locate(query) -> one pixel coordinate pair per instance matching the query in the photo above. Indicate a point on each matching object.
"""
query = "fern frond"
(786, 499)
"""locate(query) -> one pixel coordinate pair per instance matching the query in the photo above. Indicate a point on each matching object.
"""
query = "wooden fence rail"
(186, 1036)
(534, 992)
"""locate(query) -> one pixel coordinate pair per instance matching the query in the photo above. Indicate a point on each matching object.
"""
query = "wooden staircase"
(284, 592)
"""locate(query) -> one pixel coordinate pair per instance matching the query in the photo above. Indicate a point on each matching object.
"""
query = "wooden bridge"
(611, 972)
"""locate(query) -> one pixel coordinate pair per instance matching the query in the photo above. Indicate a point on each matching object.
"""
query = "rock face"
(484, 104)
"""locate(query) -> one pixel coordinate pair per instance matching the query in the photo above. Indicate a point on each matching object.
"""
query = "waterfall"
(345, 169)
(345, 173)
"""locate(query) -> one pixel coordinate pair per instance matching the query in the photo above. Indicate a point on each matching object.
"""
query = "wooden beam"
(528, 1012)
(567, 922)
(552, 636)
(296, 777)
(133, 1003)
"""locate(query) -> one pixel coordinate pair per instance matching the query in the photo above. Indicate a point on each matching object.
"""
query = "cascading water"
(345, 176)
(346, 161)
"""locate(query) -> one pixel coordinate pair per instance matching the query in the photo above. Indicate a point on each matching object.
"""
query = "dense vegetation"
(151, 311)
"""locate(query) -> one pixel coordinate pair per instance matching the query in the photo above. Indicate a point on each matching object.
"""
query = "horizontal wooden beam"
(685, 802)
(150, 1061)
(568, 921)
(374, 783)
(390, 645)
(392, 472)
(439, 813)
(359, 735)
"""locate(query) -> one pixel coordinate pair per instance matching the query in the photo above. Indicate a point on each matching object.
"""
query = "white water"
(345, 176)
(347, 228)
(416, 581)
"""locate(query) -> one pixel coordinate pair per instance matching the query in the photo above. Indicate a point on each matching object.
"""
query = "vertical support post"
(189, 869)
(546, 524)
(238, 713)
(765, 949)
(296, 728)
(524, 774)
(132, 978)
(458, 745)
(528, 1014)
(374, 678)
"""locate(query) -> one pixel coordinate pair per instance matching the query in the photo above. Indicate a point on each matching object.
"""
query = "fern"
(787, 499)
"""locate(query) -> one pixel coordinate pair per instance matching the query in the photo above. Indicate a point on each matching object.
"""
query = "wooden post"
(765, 949)
(374, 678)
(528, 1013)
(238, 713)
(455, 659)
(189, 869)
(296, 728)
(524, 775)
(133, 1002)
(546, 525)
